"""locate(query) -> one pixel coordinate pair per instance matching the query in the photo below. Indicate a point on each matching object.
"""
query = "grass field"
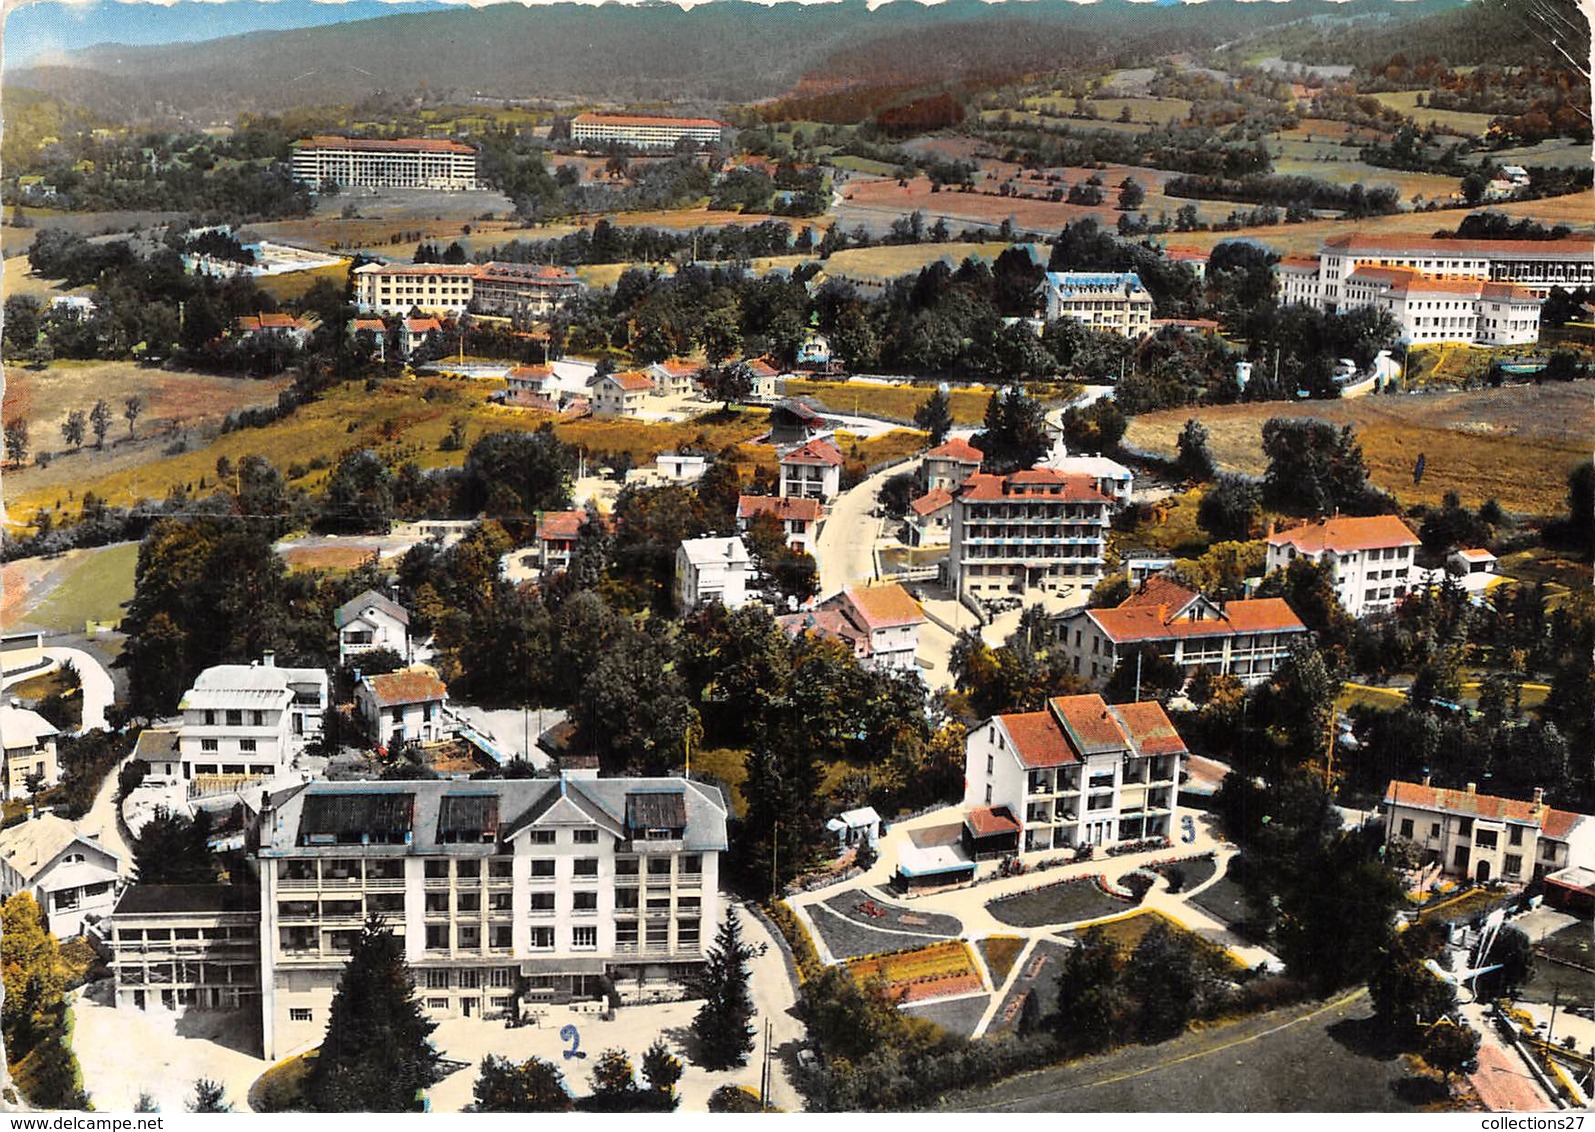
(889, 262)
(398, 420)
(292, 285)
(96, 591)
(863, 165)
(1463, 122)
(898, 402)
(1000, 952)
(1147, 111)
(1515, 444)
(1348, 171)
(899, 444)
(1552, 151)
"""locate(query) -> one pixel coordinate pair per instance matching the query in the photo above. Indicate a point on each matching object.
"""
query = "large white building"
(247, 721)
(1078, 772)
(407, 163)
(1436, 308)
(531, 289)
(187, 946)
(1030, 532)
(644, 132)
(1483, 837)
(1535, 265)
(507, 893)
(1245, 639)
(1104, 300)
(1371, 558)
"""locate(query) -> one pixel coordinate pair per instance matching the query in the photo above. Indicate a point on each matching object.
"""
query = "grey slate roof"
(371, 599)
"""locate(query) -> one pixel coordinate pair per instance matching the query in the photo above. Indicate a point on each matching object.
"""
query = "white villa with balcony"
(1079, 772)
(243, 722)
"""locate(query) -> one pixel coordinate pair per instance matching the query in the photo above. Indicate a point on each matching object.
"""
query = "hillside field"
(1516, 444)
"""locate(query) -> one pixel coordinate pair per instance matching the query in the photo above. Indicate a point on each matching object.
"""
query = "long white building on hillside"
(644, 132)
(402, 163)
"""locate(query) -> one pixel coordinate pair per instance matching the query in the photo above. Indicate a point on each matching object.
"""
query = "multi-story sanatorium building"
(644, 132)
(453, 288)
(533, 890)
(400, 163)
(1037, 530)
(1104, 300)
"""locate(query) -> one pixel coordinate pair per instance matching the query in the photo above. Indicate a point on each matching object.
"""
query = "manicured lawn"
(1562, 982)
(95, 591)
(1067, 902)
(1000, 952)
(1224, 900)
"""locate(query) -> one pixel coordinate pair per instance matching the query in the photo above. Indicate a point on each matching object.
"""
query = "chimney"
(1539, 796)
(1473, 788)
(269, 658)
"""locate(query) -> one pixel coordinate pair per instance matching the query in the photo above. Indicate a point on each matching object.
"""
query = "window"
(625, 866)
(1464, 826)
(1515, 835)
(1512, 865)
(235, 718)
(468, 870)
(437, 1004)
(1434, 829)
(658, 867)
(468, 902)
(437, 937)
(437, 903)
(437, 870)
(689, 904)
(500, 977)
(585, 836)
(625, 898)
(209, 746)
(1406, 827)
(210, 719)
(500, 937)
(437, 980)
(258, 719)
(692, 863)
(542, 939)
(584, 938)
(626, 932)
(247, 746)
(586, 867)
(299, 1014)
(1485, 839)
(501, 902)
(687, 933)
(470, 979)
(659, 934)
(584, 901)
(543, 870)
(500, 870)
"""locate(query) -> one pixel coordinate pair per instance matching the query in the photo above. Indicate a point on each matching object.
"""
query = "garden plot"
(855, 924)
(1067, 902)
(938, 970)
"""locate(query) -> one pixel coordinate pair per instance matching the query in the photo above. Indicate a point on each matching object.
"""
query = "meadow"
(1459, 121)
(896, 402)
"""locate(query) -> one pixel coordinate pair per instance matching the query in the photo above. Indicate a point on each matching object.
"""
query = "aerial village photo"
(797, 557)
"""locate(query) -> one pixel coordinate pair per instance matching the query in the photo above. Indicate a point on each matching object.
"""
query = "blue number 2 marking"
(1187, 829)
(569, 1033)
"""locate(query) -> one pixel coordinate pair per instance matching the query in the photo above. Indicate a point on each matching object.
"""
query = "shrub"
(804, 956)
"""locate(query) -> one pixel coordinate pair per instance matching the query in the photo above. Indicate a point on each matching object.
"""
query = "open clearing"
(61, 594)
(898, 402)
(1461, 121)
(1516, 444)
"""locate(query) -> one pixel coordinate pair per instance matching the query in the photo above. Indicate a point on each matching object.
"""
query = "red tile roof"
(825, 623)
(1129, 625)
(1553, 823)
(407, 686)
(1038, 483)
(560, 525)
(1149, 728)
(422, 325)
(1160, 589)
(1091, 728)
(991, 821)
(1038, 740)
(630, 381)
(1341, 535)
(883, 607)
(781, 507)
(1509, 292)
(957, 449)
(1184, 253)
(1474, 554)
(820, 452)
(679, 367)
(530, 373)
(395, 145)
(1299, 262)
(932, 501)
(376, 325)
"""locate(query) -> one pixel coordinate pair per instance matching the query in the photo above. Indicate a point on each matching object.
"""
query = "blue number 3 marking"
(569, 1033)
(1187, 829)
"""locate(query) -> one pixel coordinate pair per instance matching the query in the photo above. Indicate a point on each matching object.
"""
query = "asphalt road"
(845, 548)
(1303, 1058)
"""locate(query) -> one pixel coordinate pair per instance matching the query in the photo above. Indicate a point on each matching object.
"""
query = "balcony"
(689, 880)
(643, 845)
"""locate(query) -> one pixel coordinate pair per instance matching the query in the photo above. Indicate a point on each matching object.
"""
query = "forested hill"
(719, 52)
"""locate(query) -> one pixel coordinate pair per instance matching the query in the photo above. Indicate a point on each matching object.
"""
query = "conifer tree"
(377, 1055)
(723, 1027)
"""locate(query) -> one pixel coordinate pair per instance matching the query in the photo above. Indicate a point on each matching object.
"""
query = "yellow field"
(293, 285)
(889, 262)
(1463, 122)
(895, 401)
(1515, 444)
(899, 444)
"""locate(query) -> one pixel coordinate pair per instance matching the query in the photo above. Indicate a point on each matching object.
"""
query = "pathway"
(101, 821)
(845, 549)
(99, 693)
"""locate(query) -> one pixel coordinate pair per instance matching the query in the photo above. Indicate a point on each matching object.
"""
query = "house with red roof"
(276, 327)
(619, 394)
(799, 518)
(1484, 837)
(880, 624)
(930, 518)
(1245, 639)
(413, 332)
(813, 470)
(1030, 533)
(1078, 772)
(557, 532)
(407, 706)
(948, 465)
(1371, 557)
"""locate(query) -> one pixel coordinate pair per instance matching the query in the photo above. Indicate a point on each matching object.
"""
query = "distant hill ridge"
(720, 52)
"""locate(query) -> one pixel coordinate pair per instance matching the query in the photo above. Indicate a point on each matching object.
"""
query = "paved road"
(99, 692)
(845, 548)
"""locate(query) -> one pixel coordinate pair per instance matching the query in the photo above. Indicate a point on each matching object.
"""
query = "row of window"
(235, 718)
(213, 746)
(344, 870)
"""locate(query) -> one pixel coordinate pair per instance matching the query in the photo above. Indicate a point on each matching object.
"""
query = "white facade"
(1029, 533)
(247, 721)
(29, 742)
(404, 707)
(1372, 559)
(1112, 301)
(812, 471)
(1079, 772)
(1111, 478)
(508, 894)
(1486, 838)
(644, 132)
(712, 569)
(425, 163)
(454, 288)
(369, 622)
(620, 394)
(73, 877)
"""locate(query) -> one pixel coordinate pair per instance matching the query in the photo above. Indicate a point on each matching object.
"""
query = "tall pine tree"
(377, 1055)
(724, 1026)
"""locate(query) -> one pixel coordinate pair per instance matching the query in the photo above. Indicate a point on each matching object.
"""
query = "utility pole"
(1138, 655)
(764, 1072)
(1329, 766)
(775, 855)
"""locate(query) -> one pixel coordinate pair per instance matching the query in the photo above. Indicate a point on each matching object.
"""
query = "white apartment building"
(879, 623)
(1031, 532)
(712, 569)
(407, 706)
(812, 471)
(371, 621)
(1078, 772)
(1371, 558)
(644, 132)
(454, 288)
(1483, 837)
(507, 893)
(1536, 265)
(673, 377)
(799, 518)
(28, 740)
(408, 163)
(948, 465)
(247, 721)
(73, 877)
(1245, 639)
(620, 394)
(187, 947)
(1432, 308)
(1104, 300)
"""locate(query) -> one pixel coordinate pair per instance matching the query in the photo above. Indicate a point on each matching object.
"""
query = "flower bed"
(944, 987)
(1063, 902)
(939, 960)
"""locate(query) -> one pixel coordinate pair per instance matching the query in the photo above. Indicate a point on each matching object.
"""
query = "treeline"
(1355, 201)
(1499, 226)
(1200, 150)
